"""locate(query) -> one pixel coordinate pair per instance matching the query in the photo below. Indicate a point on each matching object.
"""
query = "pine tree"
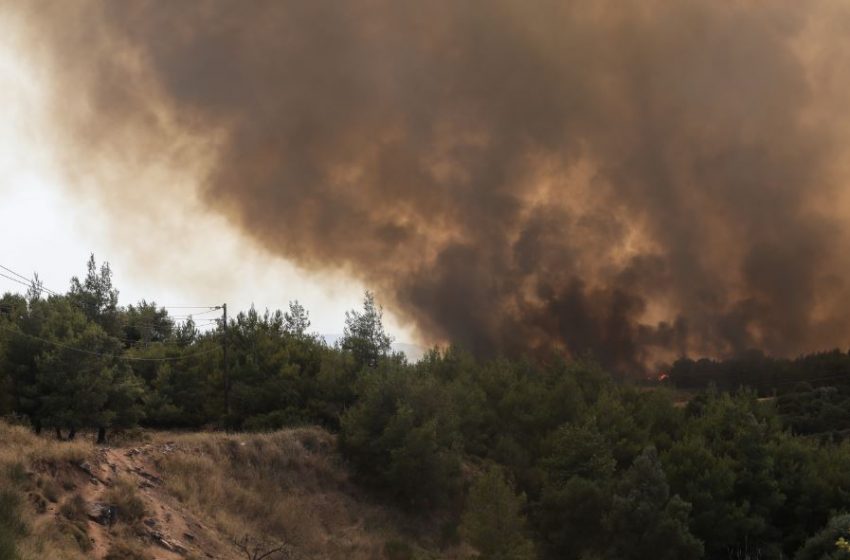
(494, 522)
(364, 334)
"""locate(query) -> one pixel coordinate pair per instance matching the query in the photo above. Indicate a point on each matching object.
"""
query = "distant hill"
(414, 352)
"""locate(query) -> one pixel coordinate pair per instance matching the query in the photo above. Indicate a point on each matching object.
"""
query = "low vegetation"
(450, 457)
(286, 493)
(11, 527)
(286, 487)
(124, 497)
(28, 484)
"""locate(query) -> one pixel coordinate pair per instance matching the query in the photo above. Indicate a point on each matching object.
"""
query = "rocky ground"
(167, 530)
(286, 495)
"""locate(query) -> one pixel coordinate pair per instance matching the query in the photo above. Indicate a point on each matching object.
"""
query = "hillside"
(522, 459)
(194, 496)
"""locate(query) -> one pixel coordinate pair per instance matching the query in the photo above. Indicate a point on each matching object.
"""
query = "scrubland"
(194, 495)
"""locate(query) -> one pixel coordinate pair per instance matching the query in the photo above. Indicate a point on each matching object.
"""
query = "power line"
(210, 310)
(203, 324)
(21, 276)
(147, 325)
(210, 307)
(31, 281)
(15, 280)
(153, 328)
(141, 340)
(40, 285)
(104, 355)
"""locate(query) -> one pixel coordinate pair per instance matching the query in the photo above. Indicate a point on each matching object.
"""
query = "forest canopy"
(543, 458)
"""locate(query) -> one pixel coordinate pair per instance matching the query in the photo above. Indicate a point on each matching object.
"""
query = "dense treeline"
(766, 374)
(812, 392)
(523, 459)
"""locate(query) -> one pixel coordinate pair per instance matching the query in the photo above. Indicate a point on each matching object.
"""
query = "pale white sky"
(172, 251)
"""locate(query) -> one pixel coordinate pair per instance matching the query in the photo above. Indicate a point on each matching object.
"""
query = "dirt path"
(168, 530)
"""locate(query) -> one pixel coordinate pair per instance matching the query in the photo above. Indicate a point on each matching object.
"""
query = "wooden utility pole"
(226, 365)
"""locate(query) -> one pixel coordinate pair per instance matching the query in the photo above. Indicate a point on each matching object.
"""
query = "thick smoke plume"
(636, 179)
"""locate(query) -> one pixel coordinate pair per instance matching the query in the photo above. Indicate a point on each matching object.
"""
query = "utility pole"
(226, 365)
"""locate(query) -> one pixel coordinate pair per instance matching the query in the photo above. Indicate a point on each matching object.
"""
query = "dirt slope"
(169, 530)
(202, 495)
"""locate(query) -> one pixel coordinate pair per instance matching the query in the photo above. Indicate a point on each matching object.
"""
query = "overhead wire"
(31, 281)
(175, 319)
(9, 270)
(210, 307)
(107, 355)
(149, 325)
(14, 280)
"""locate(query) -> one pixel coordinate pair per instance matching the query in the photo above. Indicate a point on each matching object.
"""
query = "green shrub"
(827, 544)
(397, 550)
(8, 550)
(398, 440)
(11, 524)
(17, 473)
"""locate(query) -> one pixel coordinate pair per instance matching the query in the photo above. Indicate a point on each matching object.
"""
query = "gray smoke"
(637, 179)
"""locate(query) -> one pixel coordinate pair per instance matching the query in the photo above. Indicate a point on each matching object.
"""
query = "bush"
(400, 441)
(11, 525)
(17, 473)
(8, 550)
(397, 550)
(74, 509)
(77, 531)
(826, 544)
(129, 506)
(51, 490)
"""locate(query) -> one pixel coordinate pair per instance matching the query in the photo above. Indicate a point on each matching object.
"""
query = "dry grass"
(20, 444)
(283, 485)
(124, 550)
(125, 497)
(286, 485)
(22, 454)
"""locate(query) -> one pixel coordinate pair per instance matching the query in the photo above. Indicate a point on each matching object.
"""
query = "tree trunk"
(101, 435)
(72, 434)
(37, 427)
(58, 433)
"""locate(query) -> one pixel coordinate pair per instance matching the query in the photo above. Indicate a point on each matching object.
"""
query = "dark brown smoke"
(637, 179)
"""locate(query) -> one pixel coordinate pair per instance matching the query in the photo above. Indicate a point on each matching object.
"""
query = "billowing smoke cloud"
(637, 179)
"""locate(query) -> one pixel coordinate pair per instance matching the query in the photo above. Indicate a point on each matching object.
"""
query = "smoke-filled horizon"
(638, 180)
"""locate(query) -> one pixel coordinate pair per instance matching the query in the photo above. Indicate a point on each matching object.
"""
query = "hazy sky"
(50, 229)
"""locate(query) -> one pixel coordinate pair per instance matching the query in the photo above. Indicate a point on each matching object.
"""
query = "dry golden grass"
(287, 485)
(126, 551)
(281, 485)
(19, 444)
(125, 497)
(21, 453)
